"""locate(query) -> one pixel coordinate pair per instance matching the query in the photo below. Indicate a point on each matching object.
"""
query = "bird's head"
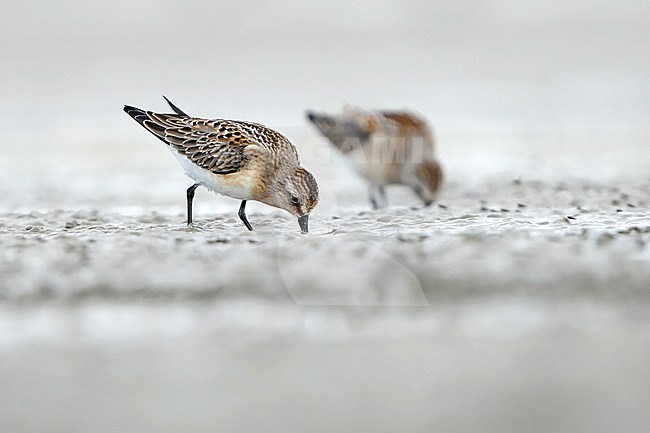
(296, 191)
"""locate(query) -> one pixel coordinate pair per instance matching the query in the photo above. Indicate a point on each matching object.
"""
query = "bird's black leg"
(190, 198)
(242, 215)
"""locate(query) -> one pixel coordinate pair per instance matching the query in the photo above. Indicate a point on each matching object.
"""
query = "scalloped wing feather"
(214, 145)
(218, 145)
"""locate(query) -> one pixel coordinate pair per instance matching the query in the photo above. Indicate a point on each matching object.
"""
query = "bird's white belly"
(219, 183)
(376, 173)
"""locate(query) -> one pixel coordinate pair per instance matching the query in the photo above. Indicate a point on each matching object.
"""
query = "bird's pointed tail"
(175, 108)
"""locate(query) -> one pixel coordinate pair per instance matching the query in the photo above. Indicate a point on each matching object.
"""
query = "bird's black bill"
(303, 221)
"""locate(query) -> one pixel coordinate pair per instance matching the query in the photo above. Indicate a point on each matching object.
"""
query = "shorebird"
(242, 160)
(385, 147)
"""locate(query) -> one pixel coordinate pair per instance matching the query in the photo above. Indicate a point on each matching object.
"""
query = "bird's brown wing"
(220, 146)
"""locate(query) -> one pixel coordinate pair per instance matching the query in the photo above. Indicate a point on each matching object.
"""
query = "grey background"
(553, 64)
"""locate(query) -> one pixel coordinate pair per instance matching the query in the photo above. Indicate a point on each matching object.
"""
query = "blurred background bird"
(386, 148)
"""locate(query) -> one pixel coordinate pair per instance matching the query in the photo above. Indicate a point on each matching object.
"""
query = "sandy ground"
(512, 305)
(511, 238)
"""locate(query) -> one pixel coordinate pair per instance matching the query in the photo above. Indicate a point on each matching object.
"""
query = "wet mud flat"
(533, 239)
(511, 306)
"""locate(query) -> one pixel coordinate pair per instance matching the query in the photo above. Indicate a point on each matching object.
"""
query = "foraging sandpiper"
(242, 160)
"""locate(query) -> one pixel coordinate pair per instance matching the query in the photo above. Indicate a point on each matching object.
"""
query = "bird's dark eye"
(295, 200)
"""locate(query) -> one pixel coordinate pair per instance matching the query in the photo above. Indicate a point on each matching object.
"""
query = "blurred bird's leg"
(423, 194)
(377, 196)
(242, 215)
(190, 199)
(371, 197)
(382, 194)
